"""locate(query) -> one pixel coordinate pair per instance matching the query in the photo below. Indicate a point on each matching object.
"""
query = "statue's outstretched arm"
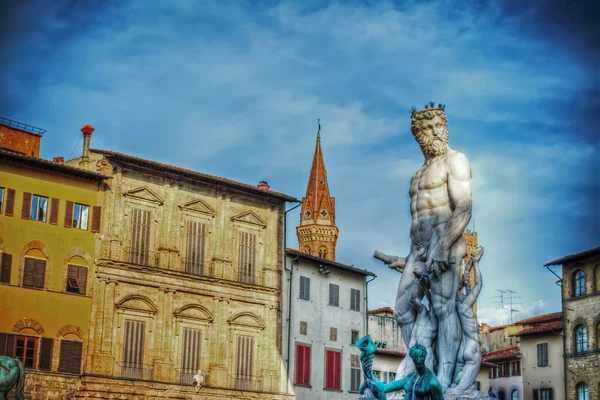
(472, 296)
(394, 262)
(394, 386)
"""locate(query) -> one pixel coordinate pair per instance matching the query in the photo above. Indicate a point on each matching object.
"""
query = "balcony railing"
(137, 371)
(141, 257)
(246, 382)
(194, 266)
(186, 376)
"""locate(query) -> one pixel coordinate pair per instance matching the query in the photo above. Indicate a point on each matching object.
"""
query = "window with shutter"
(34, 273)
(191, 355)
(46, 354)
(354, 337)
(133, 352)
(26, 206)
(544, 394)
(70, 356)
(302, 365)
(332, 370)
(304, 288)
(2, 190)
(54, 206)
(140, 237)
(355, 379)
(26, 349)
(334, 295)
(333, 334)
(196, 243)
(5, 267)
(542, 354)
(76, 279)
(7, 344)
(355, 299)
(81, 215)
(247, 257)
(39, 207)
(96, 218)
(10, 202)
(243, 371)
(69, 214)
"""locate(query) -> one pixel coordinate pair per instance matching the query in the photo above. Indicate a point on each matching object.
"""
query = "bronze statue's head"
(430, 129)
(418, 353)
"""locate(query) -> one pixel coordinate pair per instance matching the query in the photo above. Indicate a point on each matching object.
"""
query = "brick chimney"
(263, 185)
(85, 154)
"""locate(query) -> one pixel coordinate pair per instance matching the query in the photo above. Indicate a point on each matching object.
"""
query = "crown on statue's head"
(429, 108)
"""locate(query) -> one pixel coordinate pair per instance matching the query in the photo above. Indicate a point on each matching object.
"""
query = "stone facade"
(183, 252)
(549, 377)
(581, 308)
(317, 233)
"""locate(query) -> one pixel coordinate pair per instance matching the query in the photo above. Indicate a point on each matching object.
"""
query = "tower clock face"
(307, 214)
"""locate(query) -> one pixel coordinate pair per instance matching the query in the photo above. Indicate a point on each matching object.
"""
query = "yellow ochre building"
(49, 214)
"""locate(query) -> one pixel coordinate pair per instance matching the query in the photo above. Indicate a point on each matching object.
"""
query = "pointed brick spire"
(317, 233)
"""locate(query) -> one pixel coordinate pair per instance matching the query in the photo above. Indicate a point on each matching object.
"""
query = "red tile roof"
(505, 354)
(574, 257)
(538, 319)
(496, 328)
(382, 310)
(194, 174)
(542, 328)
(319, 260)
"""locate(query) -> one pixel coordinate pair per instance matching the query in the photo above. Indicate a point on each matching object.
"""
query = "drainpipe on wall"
(367, 304)
(291, 271)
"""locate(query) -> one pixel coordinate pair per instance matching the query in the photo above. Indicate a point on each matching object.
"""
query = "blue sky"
(234, 89)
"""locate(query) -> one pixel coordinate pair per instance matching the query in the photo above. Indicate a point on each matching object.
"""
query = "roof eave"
(574, 257)
(330, 263)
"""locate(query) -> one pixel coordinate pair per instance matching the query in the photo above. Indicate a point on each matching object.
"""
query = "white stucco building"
(391, 350)
(324, 314)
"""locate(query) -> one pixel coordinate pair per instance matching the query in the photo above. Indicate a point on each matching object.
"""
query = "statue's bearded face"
(432, 135)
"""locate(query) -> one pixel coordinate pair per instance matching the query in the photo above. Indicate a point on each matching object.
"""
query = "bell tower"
(317, 233)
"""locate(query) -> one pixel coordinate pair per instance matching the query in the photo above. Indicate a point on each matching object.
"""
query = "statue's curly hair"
(418, 117)
(417, 348)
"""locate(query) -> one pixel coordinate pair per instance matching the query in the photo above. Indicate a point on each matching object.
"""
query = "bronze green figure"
(419, 385)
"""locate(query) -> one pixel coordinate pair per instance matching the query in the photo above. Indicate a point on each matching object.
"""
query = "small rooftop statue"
(12, 373)
(419, 385)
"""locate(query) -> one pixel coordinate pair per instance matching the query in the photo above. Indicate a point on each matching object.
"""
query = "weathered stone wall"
(20, 141)
(45, 385)
(583, 310)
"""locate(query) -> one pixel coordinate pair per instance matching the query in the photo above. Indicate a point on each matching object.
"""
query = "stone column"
(218, 344)
(163, 363)
(108, 328)
(97, 325)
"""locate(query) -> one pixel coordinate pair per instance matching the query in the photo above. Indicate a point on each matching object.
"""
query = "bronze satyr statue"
(419, 385)
(12, 373)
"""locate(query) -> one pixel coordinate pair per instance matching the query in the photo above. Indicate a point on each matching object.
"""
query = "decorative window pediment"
(246, 319)
(144, 193)
(198, 206)
(137, 303)
(194, 311)
(250, 217)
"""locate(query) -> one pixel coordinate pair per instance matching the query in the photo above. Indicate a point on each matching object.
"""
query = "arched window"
(597, 277)
(322, 252)
(579, 283)
(580, 339)
(583, 393)
(307, 250)
(514, 395)
(501, 395)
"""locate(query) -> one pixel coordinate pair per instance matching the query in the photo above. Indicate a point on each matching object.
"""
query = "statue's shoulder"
(458, 165)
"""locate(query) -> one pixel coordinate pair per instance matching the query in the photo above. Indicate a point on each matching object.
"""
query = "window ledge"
(301, 385)
(333, 390)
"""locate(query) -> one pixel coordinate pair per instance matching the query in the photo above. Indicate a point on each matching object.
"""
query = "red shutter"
(5, 268)
(54, 203)
(336, 370)
(10, 202)
(69, 215)
(329, 369)
(46, 354)
(299, 365)
(26, 206)
(306, 367)
(96, 218)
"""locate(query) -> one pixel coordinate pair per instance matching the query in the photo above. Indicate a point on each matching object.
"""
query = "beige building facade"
(188, 279)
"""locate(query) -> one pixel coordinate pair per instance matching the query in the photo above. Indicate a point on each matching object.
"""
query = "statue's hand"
(438, 260)
(398, 264)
